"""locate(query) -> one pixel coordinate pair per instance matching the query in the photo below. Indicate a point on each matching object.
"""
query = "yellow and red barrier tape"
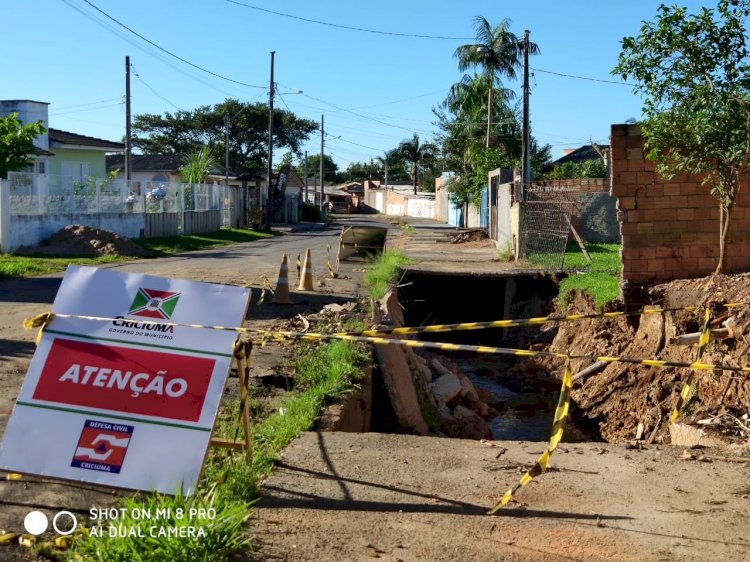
(661, 363)
(687, 388)
(561, 414)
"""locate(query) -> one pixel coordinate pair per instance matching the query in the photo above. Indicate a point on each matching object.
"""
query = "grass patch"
(382, 271)
(217, 524)
(22, 266)
(600, 279)
(230, 483)
(163, 246)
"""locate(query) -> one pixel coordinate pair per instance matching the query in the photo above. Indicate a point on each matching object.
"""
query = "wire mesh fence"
(545, 224)
(551, 211)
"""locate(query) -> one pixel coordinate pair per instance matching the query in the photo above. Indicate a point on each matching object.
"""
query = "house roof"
(586, 152)
(146, 162)
(61, 138)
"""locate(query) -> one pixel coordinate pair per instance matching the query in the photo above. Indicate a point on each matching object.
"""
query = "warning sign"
(103, 399)
(135, 381)
(102, 446)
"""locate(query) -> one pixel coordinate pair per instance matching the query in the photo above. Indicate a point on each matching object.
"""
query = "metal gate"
(545, 224)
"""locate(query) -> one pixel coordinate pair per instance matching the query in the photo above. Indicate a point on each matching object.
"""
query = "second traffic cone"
(306, 280)
(281, 296)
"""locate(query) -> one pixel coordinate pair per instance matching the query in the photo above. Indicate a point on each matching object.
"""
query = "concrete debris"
(692, 437)
(445, 388)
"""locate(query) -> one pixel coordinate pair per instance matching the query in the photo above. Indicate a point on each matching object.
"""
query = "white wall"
(423, 208)
(29, 230)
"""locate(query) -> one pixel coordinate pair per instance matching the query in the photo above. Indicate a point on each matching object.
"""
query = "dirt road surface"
(352, 497)
(343, 496)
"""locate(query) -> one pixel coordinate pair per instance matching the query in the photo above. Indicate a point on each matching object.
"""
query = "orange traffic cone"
(281, 296)
(306, 280)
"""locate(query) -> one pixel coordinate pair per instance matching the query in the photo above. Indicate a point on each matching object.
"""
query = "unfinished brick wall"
(670, 228)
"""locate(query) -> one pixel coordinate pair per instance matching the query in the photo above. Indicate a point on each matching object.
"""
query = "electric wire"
(168, 52)
(347, 27)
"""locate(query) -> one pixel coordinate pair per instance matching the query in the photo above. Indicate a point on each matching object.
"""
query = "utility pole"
(127, 123)
(269, 192)
(385, 163)
(526, 168)
(322, 141)
(305, 176)
(226, 149)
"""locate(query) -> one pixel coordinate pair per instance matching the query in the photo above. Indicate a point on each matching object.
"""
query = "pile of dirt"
(78, 240)
(468, 236)
(623, 396)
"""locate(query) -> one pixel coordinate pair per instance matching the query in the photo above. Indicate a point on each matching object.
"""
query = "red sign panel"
(127, 380)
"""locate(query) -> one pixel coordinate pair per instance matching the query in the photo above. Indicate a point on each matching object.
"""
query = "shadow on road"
(30, 290)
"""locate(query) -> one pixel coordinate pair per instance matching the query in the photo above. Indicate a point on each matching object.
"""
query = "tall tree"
(419, 155)
(692, 71)
(16, 143)
(330, 168)
(496, 52)
(184, 132)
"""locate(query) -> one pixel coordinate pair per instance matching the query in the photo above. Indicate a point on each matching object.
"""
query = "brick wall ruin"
(670, 228)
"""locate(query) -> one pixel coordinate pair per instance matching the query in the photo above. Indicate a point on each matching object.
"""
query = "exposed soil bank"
(622, 396)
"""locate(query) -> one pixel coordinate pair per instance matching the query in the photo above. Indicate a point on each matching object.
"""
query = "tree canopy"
(184, 132)
(16, 143)
(692, 71)
(419, 155)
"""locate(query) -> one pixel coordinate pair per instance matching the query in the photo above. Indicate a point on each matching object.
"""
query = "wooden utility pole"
(127, 124)
(322, 142)
(305, 176)
(269, 192)
(226, 149)
(526, 175)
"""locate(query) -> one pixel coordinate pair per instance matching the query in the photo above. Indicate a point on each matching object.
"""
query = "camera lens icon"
(37, 523)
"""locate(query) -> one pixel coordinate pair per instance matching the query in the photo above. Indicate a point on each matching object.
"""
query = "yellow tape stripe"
(444, 346)
(466, 326)
(561, 414)
(687, 388)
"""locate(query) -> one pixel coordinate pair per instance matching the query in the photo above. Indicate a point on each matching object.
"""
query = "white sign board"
(130, 402)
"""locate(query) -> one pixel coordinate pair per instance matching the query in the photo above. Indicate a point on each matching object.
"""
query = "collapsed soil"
(79, 240)
(616, 400)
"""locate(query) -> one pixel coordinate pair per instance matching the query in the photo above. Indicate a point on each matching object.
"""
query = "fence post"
(4, 216)
(98, 199)
(39, 193)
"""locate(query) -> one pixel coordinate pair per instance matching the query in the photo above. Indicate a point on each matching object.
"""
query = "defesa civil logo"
(152, 303)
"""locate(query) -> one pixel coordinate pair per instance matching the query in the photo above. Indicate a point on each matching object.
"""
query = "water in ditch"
(522, 415)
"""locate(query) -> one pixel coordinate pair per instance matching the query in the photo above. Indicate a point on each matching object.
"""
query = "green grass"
(230, 483)
(162, 246)
(382, 271)
(22, 266)
(600, 279)
(216, 535)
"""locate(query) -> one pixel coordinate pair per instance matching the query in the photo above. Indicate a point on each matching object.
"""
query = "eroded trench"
(515, 397)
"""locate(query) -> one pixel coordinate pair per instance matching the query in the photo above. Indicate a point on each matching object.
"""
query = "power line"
(582, 77)
(170, 53)
(87, 104)
(354, 143)
(350, 28)
(86, 109)
(157, 94)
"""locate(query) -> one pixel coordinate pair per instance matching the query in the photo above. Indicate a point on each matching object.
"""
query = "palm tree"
(418, 155)
(497, 52)
(467, 101)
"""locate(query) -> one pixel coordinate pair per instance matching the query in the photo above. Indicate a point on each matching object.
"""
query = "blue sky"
(374, 89)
